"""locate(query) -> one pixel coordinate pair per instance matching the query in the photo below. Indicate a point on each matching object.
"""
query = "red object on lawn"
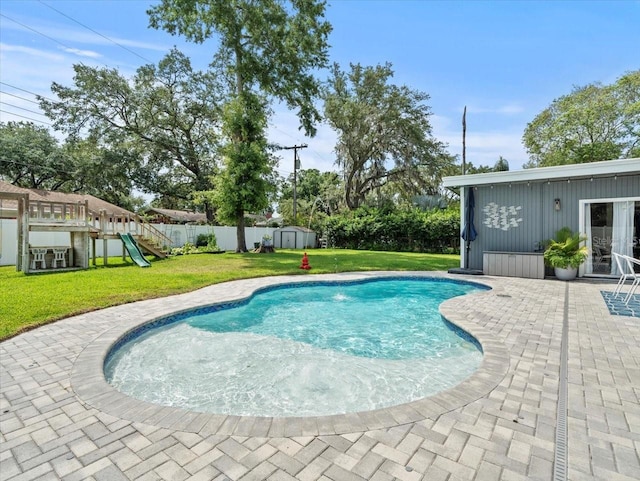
(305, 262)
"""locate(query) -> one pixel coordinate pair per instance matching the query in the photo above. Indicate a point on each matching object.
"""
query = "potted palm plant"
(565, 254)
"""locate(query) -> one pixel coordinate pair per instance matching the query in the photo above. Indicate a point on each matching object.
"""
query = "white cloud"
(27, 72)
(511, 109)
(67, 33)
(35, 76)
(32, 52)
(82, 53)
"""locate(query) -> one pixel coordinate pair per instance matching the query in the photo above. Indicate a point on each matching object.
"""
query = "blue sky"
(506, 61)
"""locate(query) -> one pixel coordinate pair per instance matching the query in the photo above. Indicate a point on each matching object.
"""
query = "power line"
(22, 108)
(59, 43)
(18, 97)
(297, 139)
(25, 117)
(27, 91)
(36, 31)
(283, 173)
(94, 31)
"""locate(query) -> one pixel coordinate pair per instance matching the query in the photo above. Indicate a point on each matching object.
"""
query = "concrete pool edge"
(89, 384)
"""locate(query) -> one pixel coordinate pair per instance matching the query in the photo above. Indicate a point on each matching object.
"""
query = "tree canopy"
(168, 115)
(318, 194)
(31, 157)
(270, 48)
(592, 123)
(501, 165)
(271, 45)
(384, 133)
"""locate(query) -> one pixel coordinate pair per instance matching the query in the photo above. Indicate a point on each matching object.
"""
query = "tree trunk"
(242, 243)
(347, 193)
(209, 211)
(240, 235)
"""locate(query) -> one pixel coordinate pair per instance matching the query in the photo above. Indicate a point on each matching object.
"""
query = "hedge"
(400, 231)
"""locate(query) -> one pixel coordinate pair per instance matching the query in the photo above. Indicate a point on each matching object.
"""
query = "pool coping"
(89, 383)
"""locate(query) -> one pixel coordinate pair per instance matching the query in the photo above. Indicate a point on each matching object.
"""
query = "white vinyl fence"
(179, 234)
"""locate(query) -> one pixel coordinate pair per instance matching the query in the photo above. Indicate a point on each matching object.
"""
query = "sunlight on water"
(340, 297)
(313, 350)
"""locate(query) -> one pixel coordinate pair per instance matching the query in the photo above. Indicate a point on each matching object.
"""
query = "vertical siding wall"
(519, 217)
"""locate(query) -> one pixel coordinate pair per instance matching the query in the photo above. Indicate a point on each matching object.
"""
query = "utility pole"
(296, 166)
(464, 141)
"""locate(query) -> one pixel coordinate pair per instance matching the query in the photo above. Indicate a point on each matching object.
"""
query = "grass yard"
(27, 301)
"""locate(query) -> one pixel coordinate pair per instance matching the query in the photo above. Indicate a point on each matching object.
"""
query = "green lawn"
(31, 300)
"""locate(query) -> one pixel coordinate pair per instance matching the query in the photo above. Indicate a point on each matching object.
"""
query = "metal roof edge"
(593, 169)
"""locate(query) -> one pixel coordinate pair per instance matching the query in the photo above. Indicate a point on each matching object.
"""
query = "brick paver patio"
(60, 420)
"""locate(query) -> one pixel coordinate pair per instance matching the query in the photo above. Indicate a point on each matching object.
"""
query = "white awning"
(606, 168)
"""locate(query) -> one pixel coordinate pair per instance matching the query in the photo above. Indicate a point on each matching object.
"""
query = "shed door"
(289, 240)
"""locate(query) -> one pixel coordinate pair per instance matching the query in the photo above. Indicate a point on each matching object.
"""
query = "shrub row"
(400, 231)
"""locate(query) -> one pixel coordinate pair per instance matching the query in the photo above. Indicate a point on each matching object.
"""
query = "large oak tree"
(242, 186)
(31, 157)
(384, 133)
(169, 114)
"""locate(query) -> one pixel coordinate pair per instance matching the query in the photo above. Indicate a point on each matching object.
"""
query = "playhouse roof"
(179, 215)
(607, 168)
(95, 204)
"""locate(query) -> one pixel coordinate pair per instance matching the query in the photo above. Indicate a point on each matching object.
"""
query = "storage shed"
(516, 211)
(294, 237)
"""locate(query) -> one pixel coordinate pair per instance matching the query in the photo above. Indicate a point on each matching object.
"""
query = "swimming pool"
(306, 350)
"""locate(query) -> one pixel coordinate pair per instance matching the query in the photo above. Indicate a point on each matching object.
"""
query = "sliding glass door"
(611, 225)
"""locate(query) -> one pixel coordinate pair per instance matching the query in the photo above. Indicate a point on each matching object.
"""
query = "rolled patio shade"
(469, 232)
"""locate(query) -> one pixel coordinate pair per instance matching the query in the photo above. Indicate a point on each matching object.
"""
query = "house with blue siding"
(516, 211)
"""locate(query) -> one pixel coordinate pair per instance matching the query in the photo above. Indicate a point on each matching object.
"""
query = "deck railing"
(79, 215)
(45, 212)
(112, 224)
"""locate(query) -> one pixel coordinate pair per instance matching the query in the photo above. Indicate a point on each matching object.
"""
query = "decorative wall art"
(501, 216)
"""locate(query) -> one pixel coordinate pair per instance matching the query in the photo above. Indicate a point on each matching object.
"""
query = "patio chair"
(59, 254)
(601, 259)
(623, 267)
(38, 256)
(632, 263)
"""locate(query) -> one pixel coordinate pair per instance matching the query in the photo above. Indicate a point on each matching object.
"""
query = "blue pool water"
(303, 350)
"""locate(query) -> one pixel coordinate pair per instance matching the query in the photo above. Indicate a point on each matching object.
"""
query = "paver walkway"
(58, 421)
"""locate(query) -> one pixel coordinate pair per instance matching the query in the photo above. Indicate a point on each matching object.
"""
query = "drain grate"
(560, 454)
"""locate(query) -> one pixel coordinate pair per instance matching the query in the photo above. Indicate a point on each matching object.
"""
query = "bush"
(409, 231)
(203, 239)
(207, 242)
(186, 249)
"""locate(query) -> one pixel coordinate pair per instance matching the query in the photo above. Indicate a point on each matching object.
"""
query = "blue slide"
(134, 251)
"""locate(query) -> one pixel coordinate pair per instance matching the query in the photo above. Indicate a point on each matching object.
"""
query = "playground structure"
(134, 250)
(85, 218)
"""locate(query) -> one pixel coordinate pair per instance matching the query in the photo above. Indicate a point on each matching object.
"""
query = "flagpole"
(464, 141)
